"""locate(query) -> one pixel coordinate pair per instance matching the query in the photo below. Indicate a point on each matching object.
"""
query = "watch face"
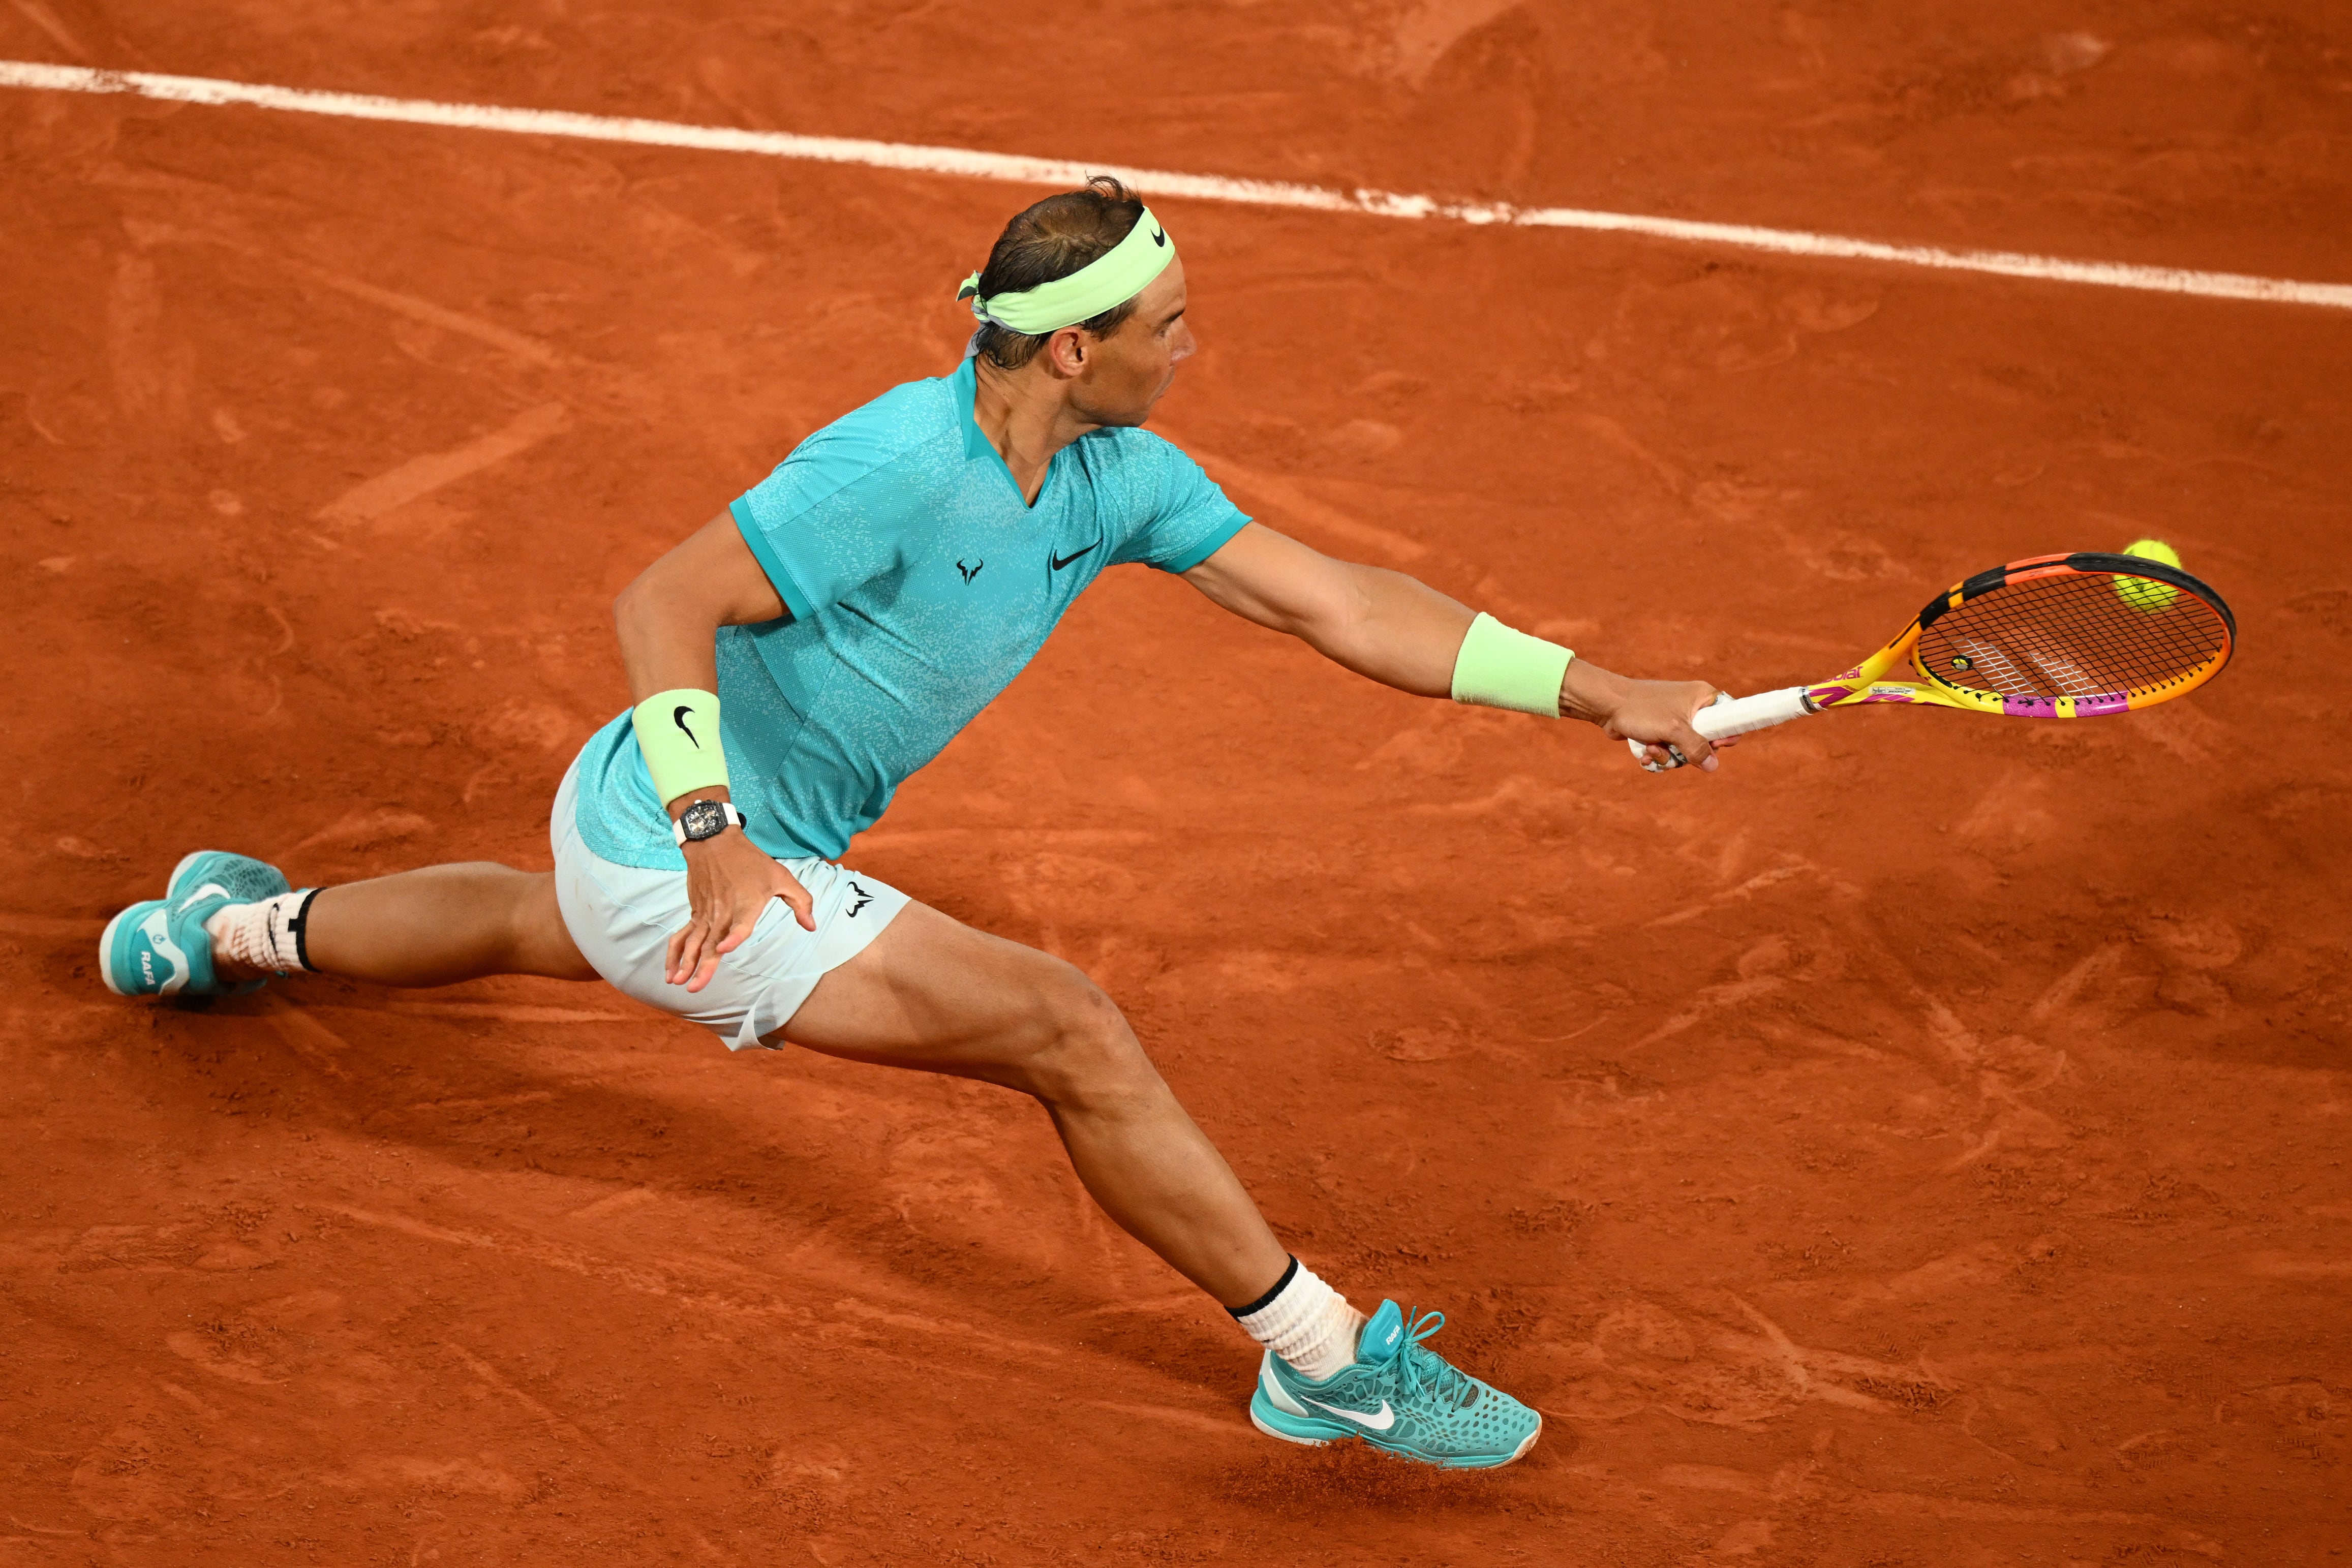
(703, 820)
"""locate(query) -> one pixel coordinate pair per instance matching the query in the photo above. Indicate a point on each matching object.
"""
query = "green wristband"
(678, 732)
(1498, 667)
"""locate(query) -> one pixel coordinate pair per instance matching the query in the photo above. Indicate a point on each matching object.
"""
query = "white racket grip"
(1730, 716)
(1744, 716)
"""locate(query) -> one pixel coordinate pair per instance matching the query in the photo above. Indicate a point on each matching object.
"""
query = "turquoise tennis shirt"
(919, 585)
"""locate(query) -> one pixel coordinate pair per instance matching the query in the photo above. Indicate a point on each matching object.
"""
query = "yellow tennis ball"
(2146, 592)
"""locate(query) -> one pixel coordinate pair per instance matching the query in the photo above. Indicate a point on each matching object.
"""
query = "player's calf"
(438, 926)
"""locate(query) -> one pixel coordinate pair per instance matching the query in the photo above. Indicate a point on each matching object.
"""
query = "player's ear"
(1066, 352)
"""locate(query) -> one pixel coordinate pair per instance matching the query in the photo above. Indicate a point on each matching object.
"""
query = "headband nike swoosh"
(1111, 279)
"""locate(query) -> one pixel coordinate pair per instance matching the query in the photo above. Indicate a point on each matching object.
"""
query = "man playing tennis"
(805, 652)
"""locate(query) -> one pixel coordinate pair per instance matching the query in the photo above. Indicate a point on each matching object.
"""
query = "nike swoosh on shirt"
(1379, 1422)
(1059, 562)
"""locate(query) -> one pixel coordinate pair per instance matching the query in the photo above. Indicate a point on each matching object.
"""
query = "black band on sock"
(300, 926)
(1267, 1300)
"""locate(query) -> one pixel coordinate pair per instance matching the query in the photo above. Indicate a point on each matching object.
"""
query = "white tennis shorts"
(622, 918)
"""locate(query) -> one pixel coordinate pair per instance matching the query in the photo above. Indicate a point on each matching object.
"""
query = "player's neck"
(1027, 415)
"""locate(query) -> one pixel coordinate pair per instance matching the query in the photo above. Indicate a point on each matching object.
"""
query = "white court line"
(971, 165)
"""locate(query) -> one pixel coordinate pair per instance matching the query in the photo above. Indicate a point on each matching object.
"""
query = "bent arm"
(666, 619)
(1401, 631)
(667, 622)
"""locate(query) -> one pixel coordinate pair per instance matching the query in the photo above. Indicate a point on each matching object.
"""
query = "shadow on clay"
(846, 1206)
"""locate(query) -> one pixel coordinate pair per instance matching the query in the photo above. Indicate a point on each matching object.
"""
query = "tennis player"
(795, 660)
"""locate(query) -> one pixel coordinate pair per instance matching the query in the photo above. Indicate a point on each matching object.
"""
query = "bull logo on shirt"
(969, 571)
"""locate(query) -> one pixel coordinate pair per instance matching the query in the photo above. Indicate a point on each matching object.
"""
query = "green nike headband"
(1111, 279)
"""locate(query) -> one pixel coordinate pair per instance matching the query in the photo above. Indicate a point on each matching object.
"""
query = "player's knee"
(1086, 1055)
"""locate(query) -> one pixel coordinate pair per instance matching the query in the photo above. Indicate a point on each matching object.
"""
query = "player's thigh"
(542, 943)
(931, 992)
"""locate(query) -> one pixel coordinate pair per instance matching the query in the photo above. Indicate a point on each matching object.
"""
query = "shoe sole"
(1340, 1437)
(1259, 1422)
(106, 951)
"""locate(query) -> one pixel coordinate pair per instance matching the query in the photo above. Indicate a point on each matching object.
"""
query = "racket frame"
(1866, 684)
(1862, 684)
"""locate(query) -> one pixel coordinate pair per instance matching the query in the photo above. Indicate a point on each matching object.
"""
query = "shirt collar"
(964, 386)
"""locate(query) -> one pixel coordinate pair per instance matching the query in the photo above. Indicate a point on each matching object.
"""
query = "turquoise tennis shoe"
(1397, 1397)
(160, 949)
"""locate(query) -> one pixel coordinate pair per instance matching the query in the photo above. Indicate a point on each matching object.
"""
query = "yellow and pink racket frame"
(1862, 684)
(1730, 716)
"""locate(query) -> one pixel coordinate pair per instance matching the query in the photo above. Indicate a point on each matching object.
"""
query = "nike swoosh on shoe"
(1378, 1422)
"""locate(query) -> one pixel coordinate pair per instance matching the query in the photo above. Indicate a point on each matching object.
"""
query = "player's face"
(1129, 371)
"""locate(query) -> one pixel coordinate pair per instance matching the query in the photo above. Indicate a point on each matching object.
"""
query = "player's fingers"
(691, 943)
(700, 956)
(741, 921)
(1720, 696)
(1694, 748)
(803, 906)
(1659, 757)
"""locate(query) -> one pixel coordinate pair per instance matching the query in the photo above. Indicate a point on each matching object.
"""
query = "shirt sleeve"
(1182, 517)
(827, 519)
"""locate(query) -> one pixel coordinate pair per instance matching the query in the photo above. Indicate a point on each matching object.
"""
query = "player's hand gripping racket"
(2051, 636)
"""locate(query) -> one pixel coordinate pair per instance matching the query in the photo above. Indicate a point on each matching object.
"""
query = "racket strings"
(2071, 633)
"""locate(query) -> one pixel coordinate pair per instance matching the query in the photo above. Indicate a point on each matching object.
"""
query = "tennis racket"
(2050, 636)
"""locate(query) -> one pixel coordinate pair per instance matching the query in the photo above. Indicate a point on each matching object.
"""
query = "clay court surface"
(1921, 1142)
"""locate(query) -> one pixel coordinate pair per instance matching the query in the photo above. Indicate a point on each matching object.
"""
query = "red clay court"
(1920, 1143)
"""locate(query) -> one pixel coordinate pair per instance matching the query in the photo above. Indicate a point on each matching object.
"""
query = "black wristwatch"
(705, 819)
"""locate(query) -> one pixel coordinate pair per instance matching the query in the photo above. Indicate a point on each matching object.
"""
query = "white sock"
(1305, 1322)
(265, 936)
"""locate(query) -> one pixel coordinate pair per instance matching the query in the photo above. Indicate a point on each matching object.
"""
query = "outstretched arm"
(1398, 630)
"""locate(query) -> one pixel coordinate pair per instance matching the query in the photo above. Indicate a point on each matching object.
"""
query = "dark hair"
(1051, 240)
